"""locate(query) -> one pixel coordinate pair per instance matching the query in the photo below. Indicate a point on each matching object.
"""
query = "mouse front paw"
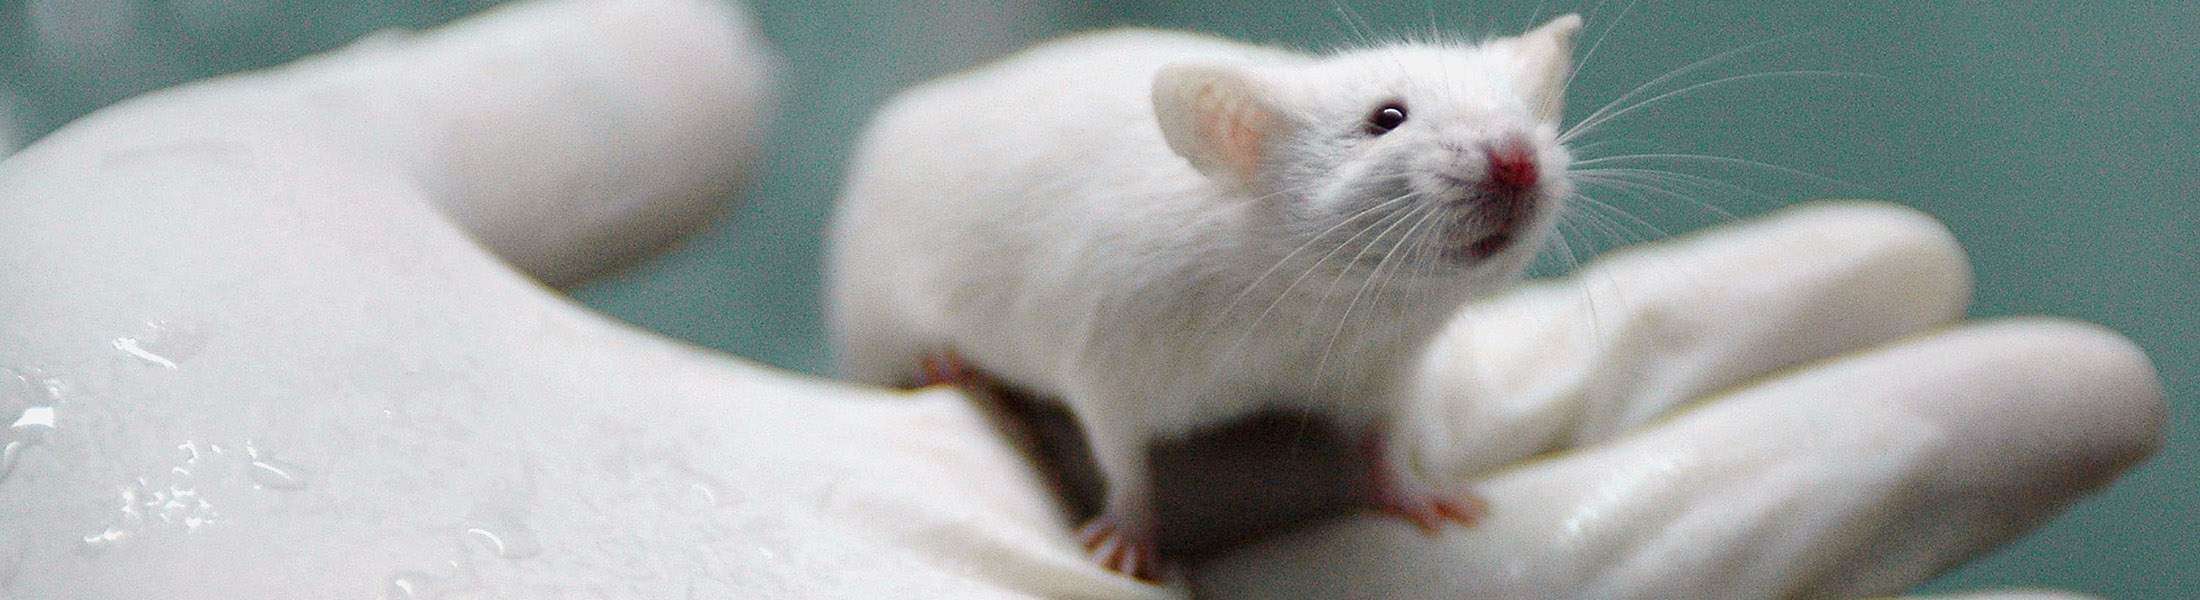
(947, 367)
(1393, 488)
(1426, 508)
(1123, 543)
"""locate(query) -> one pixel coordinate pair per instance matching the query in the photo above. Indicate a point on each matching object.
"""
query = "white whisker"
(1308, 244)
(1254, 325)
(1671, 184)
(1594, 120)
(1607, 211)
(1584, 124)
(1582, 65)
(1389, 260)
(1821, 179)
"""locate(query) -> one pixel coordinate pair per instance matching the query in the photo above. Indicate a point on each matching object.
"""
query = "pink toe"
(1122, 545)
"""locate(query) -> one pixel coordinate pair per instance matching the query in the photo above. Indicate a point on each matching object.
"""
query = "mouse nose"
(1506, 204)
(1512, 165)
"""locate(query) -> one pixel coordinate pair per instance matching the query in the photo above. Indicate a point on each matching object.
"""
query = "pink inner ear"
(1234, 127)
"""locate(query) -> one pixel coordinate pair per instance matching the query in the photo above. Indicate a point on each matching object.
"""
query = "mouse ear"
(1549, 52)
(1216, 117)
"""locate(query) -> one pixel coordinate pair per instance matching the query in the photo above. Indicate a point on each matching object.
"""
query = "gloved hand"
(255, 344)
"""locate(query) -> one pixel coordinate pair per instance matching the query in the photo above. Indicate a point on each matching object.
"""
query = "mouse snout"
(1505, 202)
(1512, 165)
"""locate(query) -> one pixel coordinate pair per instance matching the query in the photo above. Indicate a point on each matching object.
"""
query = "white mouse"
(1167, 230)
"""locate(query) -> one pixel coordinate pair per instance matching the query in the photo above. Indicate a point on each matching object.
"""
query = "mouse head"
(1444, 156)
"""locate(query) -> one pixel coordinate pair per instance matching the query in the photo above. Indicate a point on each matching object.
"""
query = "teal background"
(2055, 138)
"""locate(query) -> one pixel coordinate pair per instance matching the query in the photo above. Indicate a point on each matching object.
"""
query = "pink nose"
(1512, 166)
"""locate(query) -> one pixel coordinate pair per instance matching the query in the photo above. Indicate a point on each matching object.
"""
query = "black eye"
(1384, 119)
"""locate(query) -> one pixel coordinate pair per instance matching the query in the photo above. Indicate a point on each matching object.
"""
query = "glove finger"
(1572, 362)
(568, 137)
(1858, 477)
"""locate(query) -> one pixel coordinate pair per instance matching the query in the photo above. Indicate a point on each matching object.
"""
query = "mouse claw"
(1123, 546)
(1429, 510)
(1393, 489)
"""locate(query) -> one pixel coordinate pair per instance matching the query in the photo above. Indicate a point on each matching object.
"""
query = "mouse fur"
(1166, 230)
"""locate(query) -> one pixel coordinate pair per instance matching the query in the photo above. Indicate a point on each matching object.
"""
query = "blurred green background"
(2057, 139)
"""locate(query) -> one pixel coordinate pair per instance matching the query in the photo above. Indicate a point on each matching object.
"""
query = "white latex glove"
(252, 351)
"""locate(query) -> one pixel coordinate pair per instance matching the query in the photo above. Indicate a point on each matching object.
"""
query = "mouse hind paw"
(1123, 545)
(1393, 488)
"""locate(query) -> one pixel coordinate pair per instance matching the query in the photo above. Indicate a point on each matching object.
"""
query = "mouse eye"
(1384, 119)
